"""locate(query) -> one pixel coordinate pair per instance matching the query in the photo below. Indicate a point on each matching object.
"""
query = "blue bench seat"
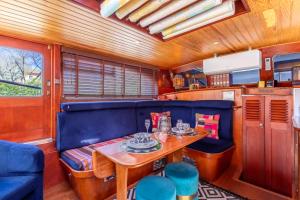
(210, 145)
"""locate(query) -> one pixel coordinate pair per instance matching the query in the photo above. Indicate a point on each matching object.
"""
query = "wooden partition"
(217, 94)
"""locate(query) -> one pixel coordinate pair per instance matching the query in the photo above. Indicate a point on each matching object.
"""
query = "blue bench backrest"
(81, 124)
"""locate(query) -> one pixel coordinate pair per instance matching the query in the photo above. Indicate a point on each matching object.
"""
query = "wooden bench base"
(88, 187)
(210, 166)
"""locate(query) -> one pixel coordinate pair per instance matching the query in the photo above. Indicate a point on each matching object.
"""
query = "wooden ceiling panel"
(68, 23)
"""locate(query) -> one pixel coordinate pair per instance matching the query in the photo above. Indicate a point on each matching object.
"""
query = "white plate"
(132, 144)
(184, 132)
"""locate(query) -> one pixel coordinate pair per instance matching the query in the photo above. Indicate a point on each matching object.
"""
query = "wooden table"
(123, 161)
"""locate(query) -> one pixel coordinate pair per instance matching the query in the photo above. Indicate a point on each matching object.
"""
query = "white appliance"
(234, 62)
(296, 102)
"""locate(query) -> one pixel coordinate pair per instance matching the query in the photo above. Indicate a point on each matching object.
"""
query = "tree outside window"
(21, 72)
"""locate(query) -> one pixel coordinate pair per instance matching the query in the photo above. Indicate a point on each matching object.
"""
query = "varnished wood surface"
(26, 118)
(217, 94)
(64, 22)
(115, 153)
(125, 161)
(211, 166)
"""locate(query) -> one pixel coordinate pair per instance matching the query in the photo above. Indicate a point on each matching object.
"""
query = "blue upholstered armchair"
(21, 171)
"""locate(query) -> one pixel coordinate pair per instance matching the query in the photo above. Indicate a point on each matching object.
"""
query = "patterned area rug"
(206, 191)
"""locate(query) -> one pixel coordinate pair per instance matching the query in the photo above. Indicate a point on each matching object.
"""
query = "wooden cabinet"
(268, 142)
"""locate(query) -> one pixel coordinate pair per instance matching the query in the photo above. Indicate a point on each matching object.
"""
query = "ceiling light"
(225, 10)
(165, 11)
(108, 7)
(183, 15)
(129, 8)
(270, 17)
(146, 9)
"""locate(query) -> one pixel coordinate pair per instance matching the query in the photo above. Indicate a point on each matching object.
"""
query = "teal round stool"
(155, 187)
(185, 177)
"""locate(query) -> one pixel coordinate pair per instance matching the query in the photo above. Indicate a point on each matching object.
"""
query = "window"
(245, 77)
(92, 77)
(20, 72)
(283, 76)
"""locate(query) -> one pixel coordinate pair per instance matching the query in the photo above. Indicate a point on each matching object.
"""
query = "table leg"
(121, 180)
(175, 156)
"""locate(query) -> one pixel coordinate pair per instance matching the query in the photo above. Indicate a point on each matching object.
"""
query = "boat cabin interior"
(149, 99)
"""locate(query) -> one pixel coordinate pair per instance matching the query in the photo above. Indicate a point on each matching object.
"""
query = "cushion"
(81, 158)
(209, 123)
(209, 145)
(16, 187)
(78, 129)
(155, 187)
(156, 117)
(185, 177)
(26, 158)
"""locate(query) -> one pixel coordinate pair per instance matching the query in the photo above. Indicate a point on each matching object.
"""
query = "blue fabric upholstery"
(81, 128)
(143, 110)
(21, 171)
(179, 110)
(210, 145)
(185, 177)
(82, 124)
(155, 187)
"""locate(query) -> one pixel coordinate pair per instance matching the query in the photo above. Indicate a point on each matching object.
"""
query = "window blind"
(90, 77)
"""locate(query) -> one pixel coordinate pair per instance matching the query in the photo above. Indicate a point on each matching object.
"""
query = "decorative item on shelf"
(220, 80)
(191, 79)
(261, 84)
(194, 86)
(271, 83)
(178, 81)
(296, 75)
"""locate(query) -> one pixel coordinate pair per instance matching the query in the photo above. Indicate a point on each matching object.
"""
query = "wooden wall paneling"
(164, 83)
(26, 118)
(217, 94)
(254, 140)
(53, 172)
(70, 24)
(270, 52)
(279, 144)
(56, 85)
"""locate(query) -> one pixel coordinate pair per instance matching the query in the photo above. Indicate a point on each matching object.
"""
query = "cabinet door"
(253, 140)
(279, 143)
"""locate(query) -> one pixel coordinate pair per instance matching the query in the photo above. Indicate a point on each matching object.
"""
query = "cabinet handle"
(261, 125)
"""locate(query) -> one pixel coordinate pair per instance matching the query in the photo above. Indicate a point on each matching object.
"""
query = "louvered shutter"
(147, 82)
(132, 80)
(89, 77)
(252, 109)
(279, 144)
(85, 76)
(254, 140)
(113, 79)
(69, 75)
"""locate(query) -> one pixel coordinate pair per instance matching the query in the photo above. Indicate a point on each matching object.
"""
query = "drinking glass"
(147, 124)
(179, 124)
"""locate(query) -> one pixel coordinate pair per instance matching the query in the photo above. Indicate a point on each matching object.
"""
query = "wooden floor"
(62, 191)
(229, 181)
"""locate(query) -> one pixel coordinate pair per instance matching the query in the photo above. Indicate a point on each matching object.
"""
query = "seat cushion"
(185, 177)
(17, 187)
(210, 145)
(81, 158)
(155, 187)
